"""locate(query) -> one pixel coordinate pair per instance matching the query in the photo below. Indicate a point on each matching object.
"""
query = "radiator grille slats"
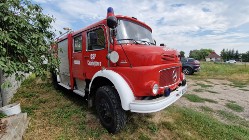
(169, 76)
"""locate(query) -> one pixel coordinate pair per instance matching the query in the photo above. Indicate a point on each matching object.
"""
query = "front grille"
(169, 76)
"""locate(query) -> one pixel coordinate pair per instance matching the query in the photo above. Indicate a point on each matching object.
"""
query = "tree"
(223, 54)
(182, 53)
(25, 38)
(236, 55)
(245, 57)
(229, 54)
(200, 54)
(195, 54)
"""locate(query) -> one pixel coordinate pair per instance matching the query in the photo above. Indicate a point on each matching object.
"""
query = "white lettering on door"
(92, 62)
(92, 56)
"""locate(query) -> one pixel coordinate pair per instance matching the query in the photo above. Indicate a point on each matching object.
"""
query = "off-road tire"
(187, 71)
(109, 109)
(54, 81)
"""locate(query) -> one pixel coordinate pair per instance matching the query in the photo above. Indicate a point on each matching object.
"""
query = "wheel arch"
(109, 77)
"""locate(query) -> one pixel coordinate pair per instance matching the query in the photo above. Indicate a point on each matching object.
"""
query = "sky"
(183, 25)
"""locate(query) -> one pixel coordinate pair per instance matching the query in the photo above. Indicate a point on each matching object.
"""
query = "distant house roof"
(213, 55)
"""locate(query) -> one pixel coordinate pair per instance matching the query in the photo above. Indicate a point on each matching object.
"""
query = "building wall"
(213, 59)
(7, 93)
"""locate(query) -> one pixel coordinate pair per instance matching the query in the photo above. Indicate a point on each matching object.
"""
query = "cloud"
(42, 1)
(183, 25)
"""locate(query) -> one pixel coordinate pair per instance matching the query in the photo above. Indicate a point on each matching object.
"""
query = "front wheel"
(187, 71)
(109, 109)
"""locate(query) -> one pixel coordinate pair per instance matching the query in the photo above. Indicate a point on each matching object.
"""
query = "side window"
(96, 39)
(77, 43)
(183, 60)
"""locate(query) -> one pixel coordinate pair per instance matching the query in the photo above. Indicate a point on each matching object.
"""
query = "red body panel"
(70, 52)
(141, 78)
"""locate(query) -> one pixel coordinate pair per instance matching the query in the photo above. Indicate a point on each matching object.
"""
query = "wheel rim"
(105, 112)
(185, 71)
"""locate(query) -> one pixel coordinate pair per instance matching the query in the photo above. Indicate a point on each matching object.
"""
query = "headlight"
(155, 89)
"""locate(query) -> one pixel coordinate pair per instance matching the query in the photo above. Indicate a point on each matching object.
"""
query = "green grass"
(208, 81)
(206, 109)
(210, 100)
(29, 80)
(230, 101)
(203, 85)
(153, 127)
(232, 118)
(244, 89)
(63, 115)
(196, 98)
(237, 84)
(198, 90)
(211, 91)
(143, 137)
(228, 115)
(191, 124)
(234, 107)
(2, 115)
(238, 74)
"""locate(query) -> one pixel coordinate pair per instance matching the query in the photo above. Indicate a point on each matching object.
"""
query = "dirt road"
(221, 93)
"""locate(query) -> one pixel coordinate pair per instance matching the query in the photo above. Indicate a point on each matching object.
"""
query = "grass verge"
(237, 74)
(198, 90)
(211, 91)
(235, 107)
(190, 124)
(203, 85)
(230, 117)
(206, 109)
(243, 89)
(196, 98)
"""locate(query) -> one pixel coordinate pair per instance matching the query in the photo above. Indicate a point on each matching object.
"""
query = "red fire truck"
(116, 64)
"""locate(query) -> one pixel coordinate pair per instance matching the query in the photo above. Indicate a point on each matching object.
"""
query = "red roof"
(213, 55)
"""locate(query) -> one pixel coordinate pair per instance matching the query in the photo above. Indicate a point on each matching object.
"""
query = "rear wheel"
(187, 71)
(54, 81)
(109, 109)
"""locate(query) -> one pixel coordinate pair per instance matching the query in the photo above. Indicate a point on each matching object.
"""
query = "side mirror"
(162, 44)
(112, 22)
(93, 38)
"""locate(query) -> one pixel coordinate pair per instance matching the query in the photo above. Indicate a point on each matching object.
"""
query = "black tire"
(187, 71)
(109, 109)
(54, 81)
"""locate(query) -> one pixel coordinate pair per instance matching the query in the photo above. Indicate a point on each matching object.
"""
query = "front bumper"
(148, 106)
(196, 69)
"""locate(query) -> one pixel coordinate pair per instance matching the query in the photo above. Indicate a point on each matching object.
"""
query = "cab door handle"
(86, 56)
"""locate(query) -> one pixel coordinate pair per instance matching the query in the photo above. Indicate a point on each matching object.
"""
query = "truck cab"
(116, 64)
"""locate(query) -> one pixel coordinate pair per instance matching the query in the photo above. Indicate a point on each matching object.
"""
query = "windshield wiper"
(129, 40)
(144, 41)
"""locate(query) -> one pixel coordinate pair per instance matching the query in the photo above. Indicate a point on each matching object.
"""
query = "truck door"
(96, 51)
(77, 65)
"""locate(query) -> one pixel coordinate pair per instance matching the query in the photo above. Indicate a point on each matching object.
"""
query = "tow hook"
(167, 92)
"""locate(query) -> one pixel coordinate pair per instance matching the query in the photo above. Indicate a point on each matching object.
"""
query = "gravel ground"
(225, 93)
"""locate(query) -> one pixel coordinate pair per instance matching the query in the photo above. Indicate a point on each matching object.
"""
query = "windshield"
(130, 32)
